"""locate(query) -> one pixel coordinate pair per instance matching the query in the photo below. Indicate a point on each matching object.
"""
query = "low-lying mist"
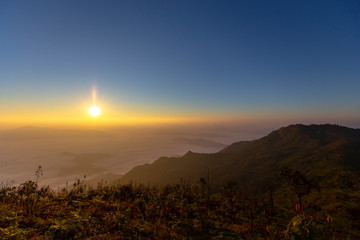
(67, 154)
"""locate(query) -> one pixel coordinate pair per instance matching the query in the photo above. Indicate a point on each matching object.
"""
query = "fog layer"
(67, 154)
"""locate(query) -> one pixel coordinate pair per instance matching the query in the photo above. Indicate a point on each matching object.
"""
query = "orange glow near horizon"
(83, 121)
(66, 113)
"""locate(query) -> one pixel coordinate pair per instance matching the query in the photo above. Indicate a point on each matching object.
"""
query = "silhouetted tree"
(38, 173)
(251, 204)
(297, 182)
(203, 185)
(229, 190)
(271, 200)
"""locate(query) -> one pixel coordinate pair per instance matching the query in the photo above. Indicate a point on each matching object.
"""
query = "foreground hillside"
(178, 211)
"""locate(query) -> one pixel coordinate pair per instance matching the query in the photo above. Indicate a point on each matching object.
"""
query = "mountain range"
(325, 153)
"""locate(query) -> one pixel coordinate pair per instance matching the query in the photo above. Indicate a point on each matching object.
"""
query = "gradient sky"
(180, 59)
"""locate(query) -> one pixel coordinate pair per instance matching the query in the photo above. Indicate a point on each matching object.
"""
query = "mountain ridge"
(311, 149)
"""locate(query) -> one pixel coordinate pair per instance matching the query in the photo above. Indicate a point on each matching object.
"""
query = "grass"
(177, 211)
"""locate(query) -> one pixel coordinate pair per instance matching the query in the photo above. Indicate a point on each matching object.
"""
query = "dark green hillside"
(237, 146)
(319, 151)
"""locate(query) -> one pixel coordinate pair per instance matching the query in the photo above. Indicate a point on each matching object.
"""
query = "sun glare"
(94, 111)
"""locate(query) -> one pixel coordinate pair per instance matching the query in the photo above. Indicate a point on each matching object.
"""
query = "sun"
(94, 111)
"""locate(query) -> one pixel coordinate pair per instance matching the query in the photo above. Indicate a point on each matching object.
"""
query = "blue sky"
(182, 58)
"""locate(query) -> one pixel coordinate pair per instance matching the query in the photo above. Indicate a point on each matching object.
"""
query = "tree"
(38, 173)
(229, 190)
(297, 182)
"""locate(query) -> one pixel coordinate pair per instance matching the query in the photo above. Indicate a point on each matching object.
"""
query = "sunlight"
(94, 111)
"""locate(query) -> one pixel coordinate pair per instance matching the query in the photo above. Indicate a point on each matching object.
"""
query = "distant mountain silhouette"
(31, 132)
(321, 152)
